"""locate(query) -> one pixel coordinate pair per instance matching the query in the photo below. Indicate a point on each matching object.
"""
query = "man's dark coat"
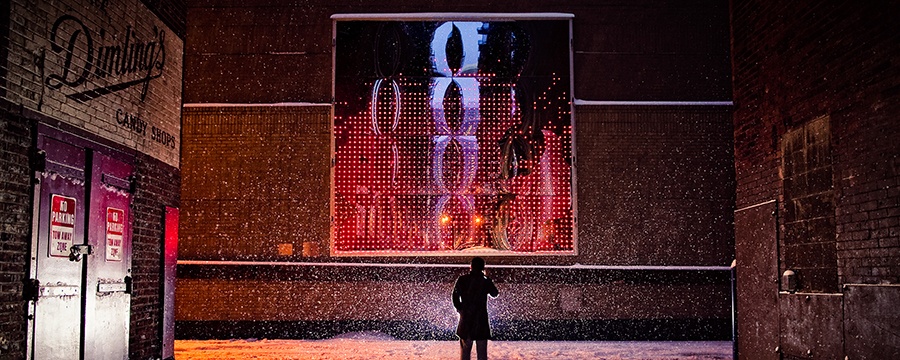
(470, 300)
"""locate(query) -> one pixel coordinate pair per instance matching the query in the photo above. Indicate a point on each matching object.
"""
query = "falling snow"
(662, 207)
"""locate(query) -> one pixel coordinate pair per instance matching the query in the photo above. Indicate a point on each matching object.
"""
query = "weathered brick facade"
(280, 51)
(257, 178)
(120, 93)
(816, 97)
(654, 185)
(15, 226)
(160, 187)
(112, 69)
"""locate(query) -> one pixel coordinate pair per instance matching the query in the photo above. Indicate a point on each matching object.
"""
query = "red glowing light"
(419, 151)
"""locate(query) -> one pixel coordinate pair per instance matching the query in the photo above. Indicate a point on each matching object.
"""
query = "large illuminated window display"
(453, 135)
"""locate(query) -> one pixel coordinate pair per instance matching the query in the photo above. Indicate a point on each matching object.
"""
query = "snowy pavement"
(373, 347)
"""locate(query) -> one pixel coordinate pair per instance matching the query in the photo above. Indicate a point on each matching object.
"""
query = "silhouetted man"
(470, 300)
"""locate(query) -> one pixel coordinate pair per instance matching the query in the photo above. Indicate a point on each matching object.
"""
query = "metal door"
(54, 306)
(756, 251)
(108, 284)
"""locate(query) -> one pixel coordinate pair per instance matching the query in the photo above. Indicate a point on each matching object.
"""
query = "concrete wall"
(320, 301)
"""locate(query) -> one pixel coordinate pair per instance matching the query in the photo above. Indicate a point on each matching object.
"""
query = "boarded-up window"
(808, 227)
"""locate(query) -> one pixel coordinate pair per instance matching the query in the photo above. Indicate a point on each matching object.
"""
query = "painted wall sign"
(110, 68)
(62, 225)
(115, 234)
(125, 63)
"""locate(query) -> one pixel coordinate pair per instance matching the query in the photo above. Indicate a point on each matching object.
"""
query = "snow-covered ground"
(369, 346)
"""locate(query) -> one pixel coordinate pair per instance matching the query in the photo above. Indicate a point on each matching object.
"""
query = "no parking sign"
(62, 225)
(115, 231)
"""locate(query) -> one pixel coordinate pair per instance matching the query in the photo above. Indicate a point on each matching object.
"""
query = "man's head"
(477, 264)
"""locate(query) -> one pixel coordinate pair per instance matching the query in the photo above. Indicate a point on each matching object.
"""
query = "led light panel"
(452, 138)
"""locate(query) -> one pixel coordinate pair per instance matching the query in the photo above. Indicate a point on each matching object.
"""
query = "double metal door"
(80, 273)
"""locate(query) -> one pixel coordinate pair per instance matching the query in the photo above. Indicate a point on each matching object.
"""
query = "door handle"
(76, 251)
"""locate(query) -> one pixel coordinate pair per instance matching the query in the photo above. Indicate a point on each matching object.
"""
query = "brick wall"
(654, 181)
(15, 229)
(796, 66)
(654, 185)
(112, 110)
(679, 186)
(159, 186)
(808, 239)
(119, 78)
(255, 178)
(835, 59)
(654, 189)
(868, 202)
(170, 12)
(240, 52)
(4, 45)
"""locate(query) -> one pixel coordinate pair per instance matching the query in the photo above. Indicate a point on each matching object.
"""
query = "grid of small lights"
(447, 164)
